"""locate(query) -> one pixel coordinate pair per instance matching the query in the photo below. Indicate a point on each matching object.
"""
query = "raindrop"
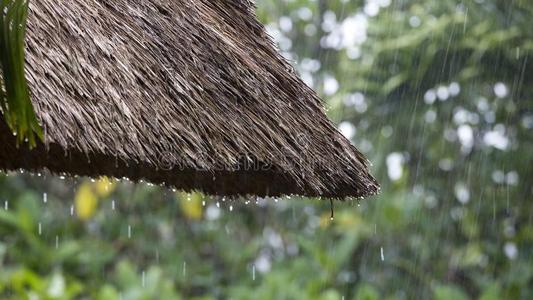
(332, 212)
(231, 208)
(129, 231)
(6, 205)
(203, 203)
(184, 269)
(143, 279)
(113, 205)
(45, 197)
(466, 20)
(72, 210)
(382, 255)
(253, 272)
(40, 228)
(57, 242)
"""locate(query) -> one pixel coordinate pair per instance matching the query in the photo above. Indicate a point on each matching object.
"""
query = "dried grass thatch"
(188, 93)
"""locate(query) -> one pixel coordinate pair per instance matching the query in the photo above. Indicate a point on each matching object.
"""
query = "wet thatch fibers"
(187, 93)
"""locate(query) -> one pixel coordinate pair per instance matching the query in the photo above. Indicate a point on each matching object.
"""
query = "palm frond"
(15, 100)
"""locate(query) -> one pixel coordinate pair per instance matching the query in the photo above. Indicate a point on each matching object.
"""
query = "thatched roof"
(188, 93)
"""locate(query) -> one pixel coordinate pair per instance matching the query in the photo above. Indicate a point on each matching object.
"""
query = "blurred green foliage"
(436, 93)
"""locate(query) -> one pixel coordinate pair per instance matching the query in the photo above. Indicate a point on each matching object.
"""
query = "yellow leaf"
(104, 187)
(85, 202)
(191, 205)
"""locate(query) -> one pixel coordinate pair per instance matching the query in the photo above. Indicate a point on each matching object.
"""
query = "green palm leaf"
(15, 100)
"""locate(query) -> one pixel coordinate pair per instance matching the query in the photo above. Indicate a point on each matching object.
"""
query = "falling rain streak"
(253, 272)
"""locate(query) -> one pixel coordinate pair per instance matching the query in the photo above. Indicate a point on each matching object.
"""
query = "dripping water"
(253, 272)
(331, 207)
